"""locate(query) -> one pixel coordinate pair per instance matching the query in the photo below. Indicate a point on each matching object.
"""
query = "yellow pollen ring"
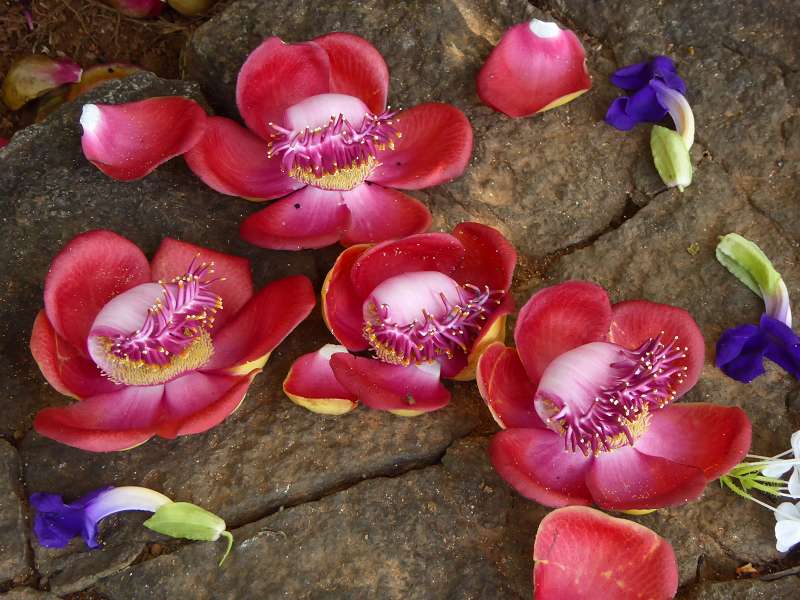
(637, 426)
(139, 372)
(340, 179)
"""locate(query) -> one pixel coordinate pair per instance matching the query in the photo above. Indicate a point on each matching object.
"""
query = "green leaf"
(671, 157)
(748, 263)
(185, 520)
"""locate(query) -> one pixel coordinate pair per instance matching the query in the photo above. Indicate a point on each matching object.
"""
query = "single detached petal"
(583, 554)
(248, 338)
(99, 74)
(626, 479)
(435, 147)
(707, 436)
(233, 161)
(277, 75)
(312, 384)
(534, 462)
(138, 8)
(560, 318)
(308, 218)
(235, 284)
(378, 214)
(787, 526)
(489, 259)
(506, 388)
(191, 8)
(535, 67)
(636, 321)
(128, 141)
(66, 369)
(617, 115)
(91, 269)
(356, 69)
(422, 252)
(403, 391)
(106, 422)
(32, 76)
(198, 401)
(342, 305)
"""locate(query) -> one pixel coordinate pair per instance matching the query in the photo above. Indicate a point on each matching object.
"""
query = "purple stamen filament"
(645, 381)
(430, 337)
(338, 156)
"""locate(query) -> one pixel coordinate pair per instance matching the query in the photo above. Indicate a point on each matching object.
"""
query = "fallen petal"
(98, 74)
(191, 7)
(535, 67)
(128, 141)
(312, 384)
(138, 8)
(32, 76)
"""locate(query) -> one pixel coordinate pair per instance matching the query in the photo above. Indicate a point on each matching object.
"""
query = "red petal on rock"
(173, 258)
(277, 75)
(535, 67)
(308, 218)
(506, 388)
(557, 319)
(248, 338)
(357, 69)
(626, 479)
(583, 554)
(636, 321)
(128, 141)
(312, 384)
(91, 269)
(404, 391)
(378, 214)
(490, 258)
(533, 461)
(233, 161)
(435, 147)
(707, 436)
(342, 305)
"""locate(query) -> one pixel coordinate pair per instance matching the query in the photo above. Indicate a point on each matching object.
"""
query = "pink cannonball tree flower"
(585, 401)
(320, 138)
(583, 554)
(163, 348)
(425, 306)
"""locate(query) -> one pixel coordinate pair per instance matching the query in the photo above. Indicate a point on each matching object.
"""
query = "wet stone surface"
(371, 505)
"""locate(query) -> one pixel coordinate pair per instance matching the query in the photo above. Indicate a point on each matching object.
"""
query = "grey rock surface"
(25, 593)
(327, 507)
(14, 548)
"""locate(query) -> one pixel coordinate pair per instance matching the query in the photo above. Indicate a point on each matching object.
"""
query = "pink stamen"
(431, 337)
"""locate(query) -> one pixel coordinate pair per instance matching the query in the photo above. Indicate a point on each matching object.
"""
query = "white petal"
(794, 483)
(786, 511)
(776, 470)
(787, 534)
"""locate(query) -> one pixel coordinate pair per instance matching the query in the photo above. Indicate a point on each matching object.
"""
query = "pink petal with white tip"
(312, 384)
(128, 141)
(535, 67)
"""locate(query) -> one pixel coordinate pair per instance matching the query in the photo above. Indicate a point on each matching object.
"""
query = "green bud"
(671, 157)
(748, 263)
(189, 521)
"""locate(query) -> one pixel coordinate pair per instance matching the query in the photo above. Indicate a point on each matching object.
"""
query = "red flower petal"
(378, 213)
(312, 384)
(626, 479)
(635, 321)
(128, 141)
(173, 258)
(423, 252)
(91, 269)
(490, 258)
(435, 147)
(342, 305)
(404, 391)
(583, 554)
(115, 421)
(277, 75)
(357, 69)
(65, 368)
(308, 218)
(197, 401)
(3, 142)
(246, 341)
(506, 388)
(233, 161)
(536, 66)
(560, 318)
(707, 436)
(534, 462)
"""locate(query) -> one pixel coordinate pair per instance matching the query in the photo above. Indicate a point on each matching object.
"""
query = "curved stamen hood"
(599, 396)
(155, 331)
(415, 318)
(331, 141)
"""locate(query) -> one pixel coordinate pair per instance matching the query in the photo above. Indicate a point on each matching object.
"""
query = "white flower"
(787, 527)
(780, 467)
